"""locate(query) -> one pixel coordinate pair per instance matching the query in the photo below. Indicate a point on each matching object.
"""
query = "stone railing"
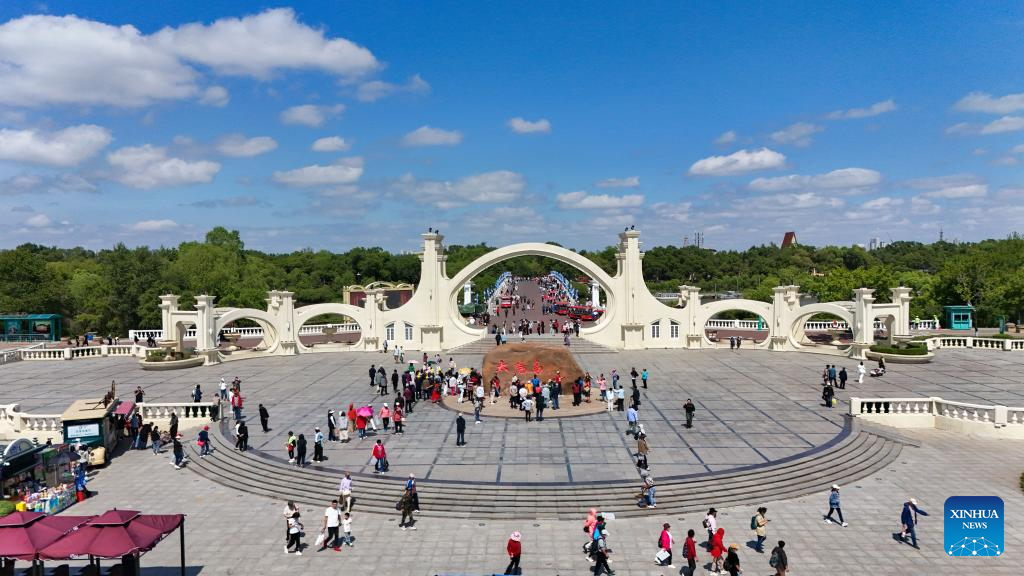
(986, 420)
(944, 341)
(189, 413)
(36, 427)
(809, 326)
(924, 325)
(250, 332)
(102, 351)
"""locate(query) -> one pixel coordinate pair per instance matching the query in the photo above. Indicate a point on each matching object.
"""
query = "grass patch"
(1006, 336)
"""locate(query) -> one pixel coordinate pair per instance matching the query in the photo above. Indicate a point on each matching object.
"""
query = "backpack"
(704, 523)
(774, 560)
(753, 522)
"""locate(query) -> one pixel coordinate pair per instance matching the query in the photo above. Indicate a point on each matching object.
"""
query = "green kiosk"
(959, 317)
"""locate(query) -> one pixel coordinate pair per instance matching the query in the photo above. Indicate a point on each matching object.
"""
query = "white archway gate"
(633, 318)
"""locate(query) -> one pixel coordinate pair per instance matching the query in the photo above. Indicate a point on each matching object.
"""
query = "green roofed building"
(30, 327)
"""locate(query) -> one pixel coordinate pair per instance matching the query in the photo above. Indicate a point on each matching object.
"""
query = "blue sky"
(338, 124)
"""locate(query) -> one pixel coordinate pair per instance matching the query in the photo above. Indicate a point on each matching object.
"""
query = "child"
(346, 528)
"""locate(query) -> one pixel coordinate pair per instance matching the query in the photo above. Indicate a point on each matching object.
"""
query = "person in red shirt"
(396, 417)
(514, 549)
(690, 552)
(381, 456)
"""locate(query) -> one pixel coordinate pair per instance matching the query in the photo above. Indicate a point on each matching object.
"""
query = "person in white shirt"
(346, 528)
(860, 373)
(332, 520)
(223, 389)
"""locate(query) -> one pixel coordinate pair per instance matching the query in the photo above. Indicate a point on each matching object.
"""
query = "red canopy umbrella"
(113, 534)
(23, 534)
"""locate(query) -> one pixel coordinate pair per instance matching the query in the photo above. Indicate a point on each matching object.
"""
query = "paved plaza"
(753, 407)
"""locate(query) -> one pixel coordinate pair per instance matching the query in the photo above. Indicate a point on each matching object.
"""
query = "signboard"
(82, 431)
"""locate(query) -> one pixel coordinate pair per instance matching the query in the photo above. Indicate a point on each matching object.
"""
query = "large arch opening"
(246, 331)
(740, 323)
(329, 328)
(822, 328)
(538, 289)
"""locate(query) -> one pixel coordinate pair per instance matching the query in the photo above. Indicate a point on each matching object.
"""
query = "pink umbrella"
(113, 534)
(365, 411)
(23, 534)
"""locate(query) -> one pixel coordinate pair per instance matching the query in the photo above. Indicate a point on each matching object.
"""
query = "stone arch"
(762, 309)
(306, 313)
(889, 320)
(795, 331)
(271, 337)
(581, 263)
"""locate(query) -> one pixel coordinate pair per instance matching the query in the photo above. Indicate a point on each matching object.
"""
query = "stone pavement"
(752, 407)
(231, 533)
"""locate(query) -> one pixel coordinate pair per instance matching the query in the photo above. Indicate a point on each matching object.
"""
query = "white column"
(467, 293)
(595, 294)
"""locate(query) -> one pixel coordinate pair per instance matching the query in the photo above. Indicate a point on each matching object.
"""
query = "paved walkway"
(233, 533)
(753, 407)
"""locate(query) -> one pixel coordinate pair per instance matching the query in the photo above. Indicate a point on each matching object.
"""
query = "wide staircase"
(856, 454)
(486, 344)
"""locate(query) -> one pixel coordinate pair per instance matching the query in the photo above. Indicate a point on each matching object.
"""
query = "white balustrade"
(995, 420)
(251, 332)
(185, 410)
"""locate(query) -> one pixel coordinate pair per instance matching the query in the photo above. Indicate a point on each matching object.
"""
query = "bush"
(6, 506)
(1001, 336)
(910, 349)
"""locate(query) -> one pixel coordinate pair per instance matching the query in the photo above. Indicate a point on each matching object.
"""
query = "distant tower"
(940, 234)
(789, 239)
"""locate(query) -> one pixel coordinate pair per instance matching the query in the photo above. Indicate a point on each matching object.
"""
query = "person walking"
(203, 440)
(827, 394)
(398, 419)
(833, 506)
(291, 511)
(406, 506)
(641, 451)
(909, 520)
(346, 529)
(664, 556)
(515, 550)
(527, 405)
(332, 426)
(843, 376)
(643, 377)
(381, 457)
(345, 491)
(710, 524)
(223, 389)
(778, 559)
(760, 525)
(689, 408)
(717, 550)
(329, 527)
(243, 436)
(385, 416)
(631, 419)
(410, 487)
(294, 536)
(178, 451)
(318, 445)
(861, 371)
(601, 552)
(690, 553)
(154, 440)
(460, 430)
(264, 418)
(833, 376)
(236, 405)
(633, 374)
(373, 374)
(732, 560)
(300, 452)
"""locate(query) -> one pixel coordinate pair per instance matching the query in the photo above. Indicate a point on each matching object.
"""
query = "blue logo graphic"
(974, 526)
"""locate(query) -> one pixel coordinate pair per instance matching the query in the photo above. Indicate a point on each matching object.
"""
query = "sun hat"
(516, 536)
(913, 501)
(835, 486)
(734, 546)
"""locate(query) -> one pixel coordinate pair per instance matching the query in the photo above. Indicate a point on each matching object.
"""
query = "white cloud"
(490, 187)
(67, 147)
(796, 201)
(154, 225)
(37, 183)
(523, 126)
(1004, 124)
(331, 144)
(148, 167)
(738, 162)
(727, 137)
(581, 200)
(48, 60)
(881, 203)
(836, 179)
(798, 134)
(38, 221)
(429, 136)
(855, 113)
(955, 192)
(238, 146)
(260, 44)
(376, 89)
(988, 104)
(344, 171)
(310, 114)
(1018, 149)
(628, 182)
(920, 205)
(215, 96)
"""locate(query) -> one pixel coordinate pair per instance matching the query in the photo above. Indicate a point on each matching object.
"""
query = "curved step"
(857, 455)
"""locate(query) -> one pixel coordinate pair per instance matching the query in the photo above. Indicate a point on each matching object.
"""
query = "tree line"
(117, 289)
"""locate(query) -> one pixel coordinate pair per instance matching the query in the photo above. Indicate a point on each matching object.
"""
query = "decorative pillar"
(206, 337)
(863, 321)
(785, 300)
(467, 293)
(168, 307)
(901, 326)
(689, 298)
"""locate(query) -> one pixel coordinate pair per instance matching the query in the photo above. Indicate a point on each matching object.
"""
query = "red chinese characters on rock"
(520, 368)
(502, 366)
(538, 368)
